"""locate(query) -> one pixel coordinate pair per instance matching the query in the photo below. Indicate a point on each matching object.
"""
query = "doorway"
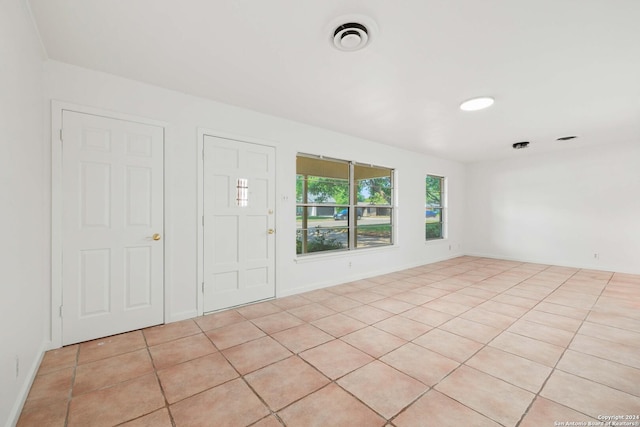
(238, 205)
(111, 206)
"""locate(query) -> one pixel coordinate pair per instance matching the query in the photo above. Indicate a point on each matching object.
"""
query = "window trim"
(352, 207)
(442, 207)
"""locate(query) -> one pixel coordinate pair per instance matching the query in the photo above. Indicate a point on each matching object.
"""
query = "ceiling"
(555, 67)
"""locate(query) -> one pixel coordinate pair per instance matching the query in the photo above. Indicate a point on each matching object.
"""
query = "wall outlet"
(449, 247)
(349, 264)
(596, 255)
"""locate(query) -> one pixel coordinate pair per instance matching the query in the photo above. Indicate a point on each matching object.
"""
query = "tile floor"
(465, 342)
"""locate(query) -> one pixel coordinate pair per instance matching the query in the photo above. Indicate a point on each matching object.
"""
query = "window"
(434, 208)
(342, 205)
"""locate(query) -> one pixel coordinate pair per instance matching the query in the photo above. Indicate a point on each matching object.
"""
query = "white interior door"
(112, 198)
(239, 241)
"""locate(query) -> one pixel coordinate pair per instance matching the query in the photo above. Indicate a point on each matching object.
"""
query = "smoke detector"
(566, 138)
(350, 36)
(520, 145)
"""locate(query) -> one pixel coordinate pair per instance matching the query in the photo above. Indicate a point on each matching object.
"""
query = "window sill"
(302, 259)
(430, 241)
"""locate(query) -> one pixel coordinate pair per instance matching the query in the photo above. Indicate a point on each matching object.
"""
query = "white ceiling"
(555, 67)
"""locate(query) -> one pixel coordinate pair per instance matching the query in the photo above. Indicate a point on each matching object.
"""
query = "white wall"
(185, 114)
(556, 208)
(559, 208)
(24, 229)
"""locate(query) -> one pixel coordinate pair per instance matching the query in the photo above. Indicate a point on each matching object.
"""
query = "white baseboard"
(548, 261)
(354, 277)
(183, 315)
(14, 415)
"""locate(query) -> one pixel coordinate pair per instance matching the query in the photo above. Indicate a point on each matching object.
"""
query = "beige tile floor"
(465, 342)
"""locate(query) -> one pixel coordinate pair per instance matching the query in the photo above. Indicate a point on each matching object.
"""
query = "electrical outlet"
(349, 264)
(449, 247)
(596, 255)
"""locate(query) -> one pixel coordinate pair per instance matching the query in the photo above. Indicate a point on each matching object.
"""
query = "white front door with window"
(239, 204)
(112, 226)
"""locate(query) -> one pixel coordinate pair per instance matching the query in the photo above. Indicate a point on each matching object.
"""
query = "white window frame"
(353, 206)
(442, 207)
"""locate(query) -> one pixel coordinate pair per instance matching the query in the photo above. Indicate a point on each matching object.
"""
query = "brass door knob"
(156, 236)
(271, 231)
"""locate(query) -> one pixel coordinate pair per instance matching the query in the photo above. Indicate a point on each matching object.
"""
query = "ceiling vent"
(350, 37)
(520, 145)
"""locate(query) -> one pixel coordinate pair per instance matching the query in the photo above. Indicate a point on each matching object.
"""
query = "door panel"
(259, 248)
(112, 190)
(94, 283)
(138, 283)
(95, 190)
(239, 204)
(138, 188)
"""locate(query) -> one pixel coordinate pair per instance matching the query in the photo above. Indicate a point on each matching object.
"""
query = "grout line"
(242, 377)
(484, 345)
(73, 381)
(155, 372)
(464, 267)
(554, 368)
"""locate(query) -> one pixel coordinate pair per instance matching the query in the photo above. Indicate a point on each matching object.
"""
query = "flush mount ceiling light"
(476, 104)
(350, 37)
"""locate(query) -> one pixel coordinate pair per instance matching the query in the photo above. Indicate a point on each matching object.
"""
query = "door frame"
(57, 109)
(202, 133)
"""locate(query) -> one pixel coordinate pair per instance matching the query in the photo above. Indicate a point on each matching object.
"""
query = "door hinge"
(60, 311)
(203, 220)
(203, 287)
(60, 135)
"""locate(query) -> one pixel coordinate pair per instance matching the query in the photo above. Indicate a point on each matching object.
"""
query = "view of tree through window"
(434, 207)
(342, 205)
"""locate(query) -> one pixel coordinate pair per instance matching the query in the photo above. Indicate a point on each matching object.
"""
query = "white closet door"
(112, 226)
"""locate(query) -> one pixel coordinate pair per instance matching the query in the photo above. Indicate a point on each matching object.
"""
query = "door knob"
(156, 236)
(271, 231)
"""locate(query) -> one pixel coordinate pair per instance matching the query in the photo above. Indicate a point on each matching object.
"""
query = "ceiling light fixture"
(476, 104)
(350, 37)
